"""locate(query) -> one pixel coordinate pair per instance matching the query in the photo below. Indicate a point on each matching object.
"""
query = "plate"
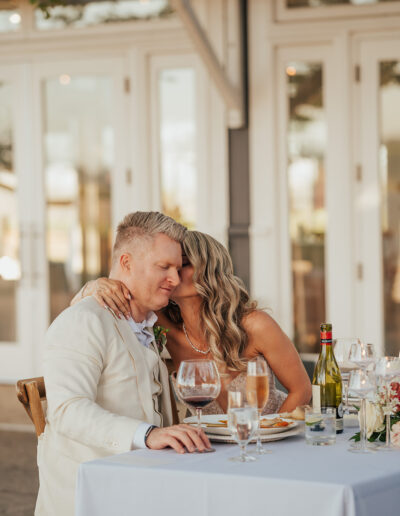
(212, 419)
(264, 438)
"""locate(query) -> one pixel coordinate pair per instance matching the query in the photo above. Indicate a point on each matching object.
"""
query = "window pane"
(79, 149)
(307, 215)
(10, 18)
(390, 194)
(178, 144)
(85, 13)
(319, 3)
(10, 270)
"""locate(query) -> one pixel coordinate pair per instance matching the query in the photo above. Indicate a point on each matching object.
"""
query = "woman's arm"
(108, 293)
(267, 338)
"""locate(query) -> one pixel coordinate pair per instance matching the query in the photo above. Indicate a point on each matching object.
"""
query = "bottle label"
(316, 397)
(326, 338)
(316, 405)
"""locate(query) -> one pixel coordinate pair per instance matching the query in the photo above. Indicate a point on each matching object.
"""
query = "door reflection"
(10, 271)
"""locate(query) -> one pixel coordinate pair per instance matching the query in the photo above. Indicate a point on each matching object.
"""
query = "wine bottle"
(327, 382)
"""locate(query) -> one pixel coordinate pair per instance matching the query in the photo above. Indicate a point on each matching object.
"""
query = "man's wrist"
(148, 432)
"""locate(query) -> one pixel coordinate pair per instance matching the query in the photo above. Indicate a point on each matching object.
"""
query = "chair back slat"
(31, 392)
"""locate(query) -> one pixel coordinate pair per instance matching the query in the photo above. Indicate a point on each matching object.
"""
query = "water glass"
(243, 423)
(320, 426)
(362, 384)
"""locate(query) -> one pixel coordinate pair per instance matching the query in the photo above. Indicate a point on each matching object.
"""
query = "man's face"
(153, 272)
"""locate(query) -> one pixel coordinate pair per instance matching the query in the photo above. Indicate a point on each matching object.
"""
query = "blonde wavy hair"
(225, 300)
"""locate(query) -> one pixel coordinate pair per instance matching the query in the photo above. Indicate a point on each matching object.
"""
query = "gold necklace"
(191, 343)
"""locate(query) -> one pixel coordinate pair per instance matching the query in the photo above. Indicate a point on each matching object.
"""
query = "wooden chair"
(31, 392)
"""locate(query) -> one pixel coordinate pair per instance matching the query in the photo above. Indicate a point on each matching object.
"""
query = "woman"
(210, 315)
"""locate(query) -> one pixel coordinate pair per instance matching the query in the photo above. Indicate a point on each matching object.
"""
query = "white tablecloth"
(295, 480)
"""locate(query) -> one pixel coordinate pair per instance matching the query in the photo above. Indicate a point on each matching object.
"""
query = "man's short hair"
(145, 225)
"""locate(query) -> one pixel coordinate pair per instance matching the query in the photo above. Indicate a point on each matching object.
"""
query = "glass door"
(83, 165)
(16, 261)
(63, 186)
(378, 196)
(314, 201)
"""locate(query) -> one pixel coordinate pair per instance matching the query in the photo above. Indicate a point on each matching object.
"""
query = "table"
(296, 479)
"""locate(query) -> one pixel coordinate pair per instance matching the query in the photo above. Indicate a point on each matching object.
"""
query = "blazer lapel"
(142, 372)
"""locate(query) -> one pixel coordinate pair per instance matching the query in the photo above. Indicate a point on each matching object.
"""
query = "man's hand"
(179, 437)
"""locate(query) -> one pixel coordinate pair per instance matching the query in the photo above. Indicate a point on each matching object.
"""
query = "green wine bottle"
(327, 382)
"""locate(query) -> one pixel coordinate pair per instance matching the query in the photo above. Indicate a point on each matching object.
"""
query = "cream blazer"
(98, 389)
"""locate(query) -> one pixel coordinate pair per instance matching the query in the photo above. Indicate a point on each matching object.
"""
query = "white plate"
(216, 418)
(264, 438)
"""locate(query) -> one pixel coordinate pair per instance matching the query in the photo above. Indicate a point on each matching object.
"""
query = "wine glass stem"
(388, 441)
(363, 429)
(243, 452)
(259, 444)
(346, 395)
(198, 411)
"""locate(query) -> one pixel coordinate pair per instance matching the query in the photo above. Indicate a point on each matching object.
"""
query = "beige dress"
(275, 399)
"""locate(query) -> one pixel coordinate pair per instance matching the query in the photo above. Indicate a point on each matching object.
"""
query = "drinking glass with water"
(243, 423)
(320, 427)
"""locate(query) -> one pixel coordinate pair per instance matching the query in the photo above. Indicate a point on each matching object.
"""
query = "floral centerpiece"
(160, 336)
(387, 402)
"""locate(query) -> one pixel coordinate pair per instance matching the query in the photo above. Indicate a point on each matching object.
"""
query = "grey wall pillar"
(239, 190)
(239, 203)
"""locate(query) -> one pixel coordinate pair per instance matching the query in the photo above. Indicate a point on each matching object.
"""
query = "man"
(107, 388)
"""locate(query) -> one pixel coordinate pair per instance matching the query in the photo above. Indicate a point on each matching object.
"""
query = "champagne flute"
(198, 384)
(387, 369)
(257, 389)
(243, 422)
(361, 384)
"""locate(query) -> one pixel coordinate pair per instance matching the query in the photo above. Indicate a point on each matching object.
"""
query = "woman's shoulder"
(257, 321)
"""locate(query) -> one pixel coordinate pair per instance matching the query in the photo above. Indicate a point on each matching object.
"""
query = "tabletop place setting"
(271, 457)
(349, 380)
(198, 384)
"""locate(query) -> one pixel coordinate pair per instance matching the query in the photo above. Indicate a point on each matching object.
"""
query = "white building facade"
(102, 115)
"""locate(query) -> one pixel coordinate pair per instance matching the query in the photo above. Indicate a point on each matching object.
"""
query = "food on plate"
(275, 422)
(298, 413)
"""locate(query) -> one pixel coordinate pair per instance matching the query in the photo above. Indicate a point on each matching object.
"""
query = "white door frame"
(370, 51)
(211, 146)
(338, 236)
(270, 244)
(15, 356)
(114, 68)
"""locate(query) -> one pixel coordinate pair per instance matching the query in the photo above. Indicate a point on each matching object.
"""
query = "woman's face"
(186, 287)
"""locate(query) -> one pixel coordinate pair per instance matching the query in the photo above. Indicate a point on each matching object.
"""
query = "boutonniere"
(160, 336)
